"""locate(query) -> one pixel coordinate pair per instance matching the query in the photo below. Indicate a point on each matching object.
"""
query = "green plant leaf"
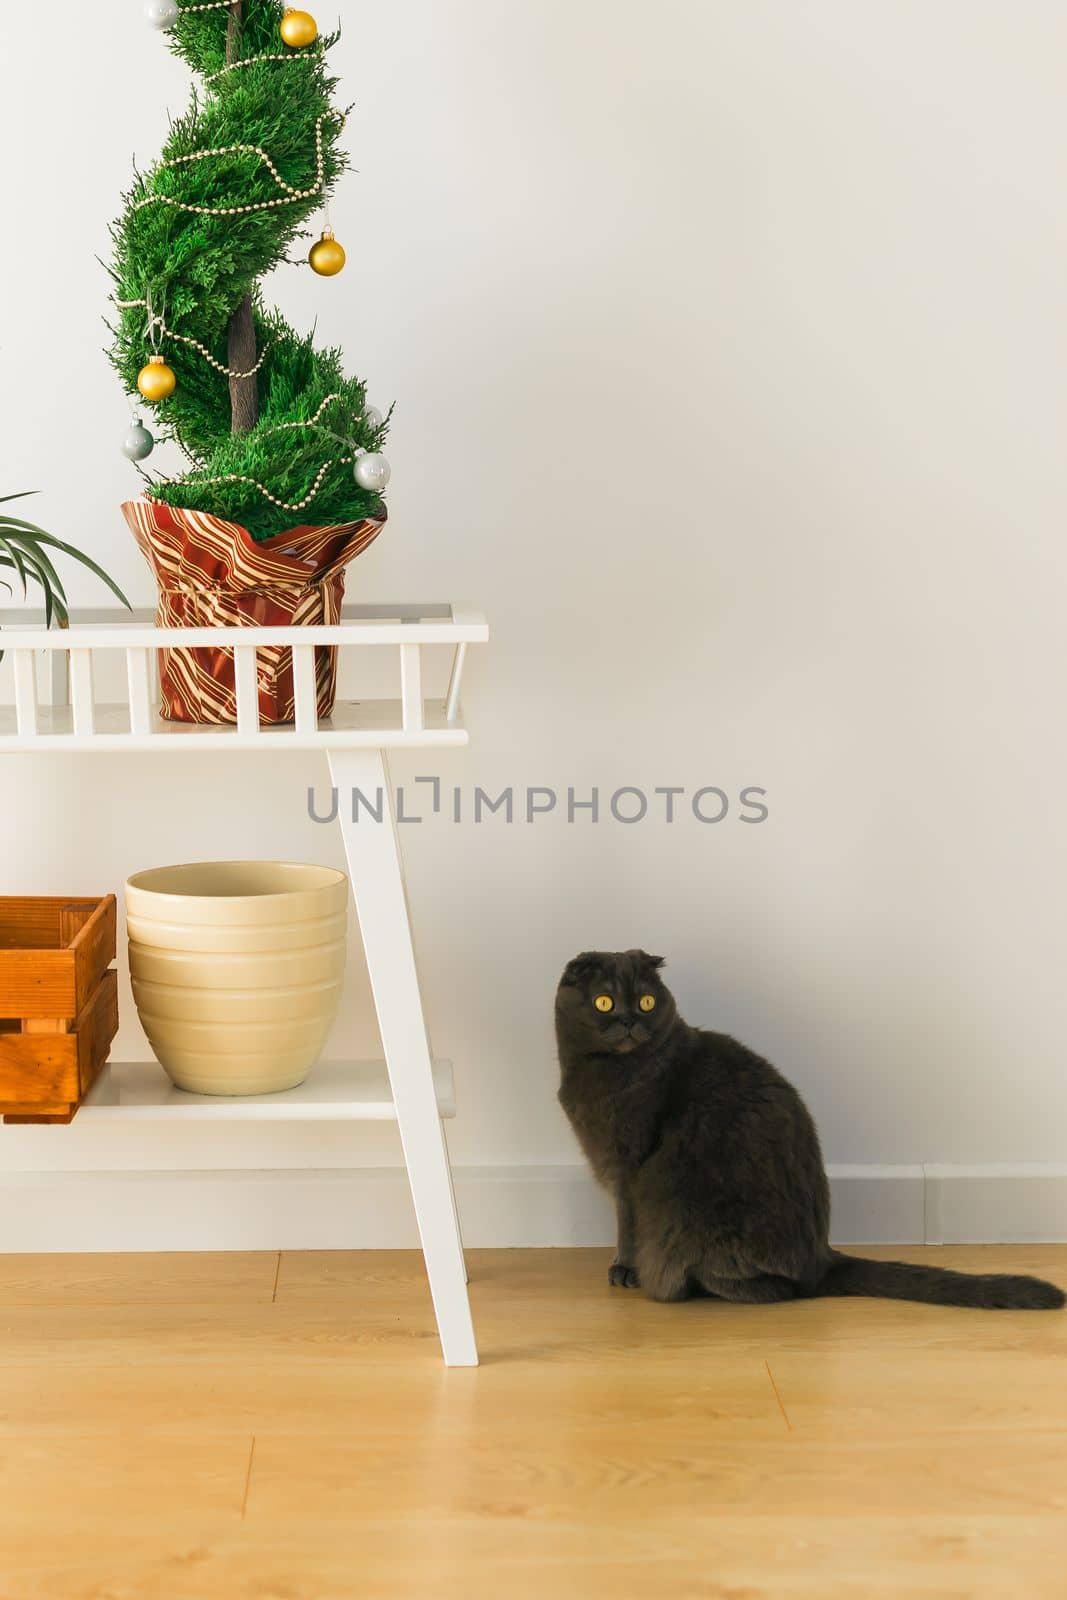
(12, 557)
(32, 552)
(86, 561)
(8, 521)
(24, 549)
(40, 575)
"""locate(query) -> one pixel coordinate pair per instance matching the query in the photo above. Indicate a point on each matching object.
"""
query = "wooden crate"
(53, 953)
(58, 1003)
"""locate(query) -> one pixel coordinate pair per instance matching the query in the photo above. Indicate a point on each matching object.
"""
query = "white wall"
(729, 342)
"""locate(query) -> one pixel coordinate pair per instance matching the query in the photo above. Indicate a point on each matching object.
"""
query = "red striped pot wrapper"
(213, 574)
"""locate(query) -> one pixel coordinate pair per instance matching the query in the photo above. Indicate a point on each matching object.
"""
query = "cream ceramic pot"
(237, 968)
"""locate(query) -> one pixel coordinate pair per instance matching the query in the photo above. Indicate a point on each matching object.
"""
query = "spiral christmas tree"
(275, 435)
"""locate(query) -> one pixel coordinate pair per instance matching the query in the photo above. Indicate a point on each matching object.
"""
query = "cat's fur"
(713, 1158)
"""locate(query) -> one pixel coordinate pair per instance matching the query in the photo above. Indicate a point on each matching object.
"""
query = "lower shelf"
(335, 1091)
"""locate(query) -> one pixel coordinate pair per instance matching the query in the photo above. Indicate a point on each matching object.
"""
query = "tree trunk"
(241, 342)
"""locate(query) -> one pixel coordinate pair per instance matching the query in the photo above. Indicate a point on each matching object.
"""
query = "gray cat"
(713, 1158)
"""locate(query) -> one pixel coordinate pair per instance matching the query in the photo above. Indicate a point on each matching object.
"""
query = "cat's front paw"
(620, 1276)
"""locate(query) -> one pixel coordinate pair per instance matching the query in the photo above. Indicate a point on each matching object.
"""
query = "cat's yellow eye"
(647, 1002)
(604, 1002)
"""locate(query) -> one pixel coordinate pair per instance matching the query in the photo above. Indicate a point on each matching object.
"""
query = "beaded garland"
(235, 66)
(283, 505)
(155, 321)
(279, 427)
(254, 149)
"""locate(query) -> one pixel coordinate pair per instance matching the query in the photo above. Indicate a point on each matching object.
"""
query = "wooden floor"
(252, 1427)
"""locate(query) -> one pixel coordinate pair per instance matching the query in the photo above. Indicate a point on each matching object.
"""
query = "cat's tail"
(895, 1280)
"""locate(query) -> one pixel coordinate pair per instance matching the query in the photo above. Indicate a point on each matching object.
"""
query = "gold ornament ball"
(299, 28)
(157, 380)
(327, 257)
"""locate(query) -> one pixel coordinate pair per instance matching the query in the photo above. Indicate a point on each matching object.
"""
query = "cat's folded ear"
(652, 963)
(583, 966)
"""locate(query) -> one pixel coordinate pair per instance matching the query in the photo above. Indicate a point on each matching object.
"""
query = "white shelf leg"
(455, 1207)
(373, 853)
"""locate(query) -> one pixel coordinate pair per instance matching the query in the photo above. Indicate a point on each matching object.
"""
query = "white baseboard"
(370, 1208)
(996, 1204)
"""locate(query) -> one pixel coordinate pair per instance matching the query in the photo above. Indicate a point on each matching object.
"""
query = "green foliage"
(24, 551)
(197, 269)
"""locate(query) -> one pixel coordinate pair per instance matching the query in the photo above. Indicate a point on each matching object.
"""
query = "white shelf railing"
(55, 705)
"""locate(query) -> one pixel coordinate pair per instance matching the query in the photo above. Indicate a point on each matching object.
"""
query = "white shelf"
(60, 703)
(334, 1091)
(354, 725)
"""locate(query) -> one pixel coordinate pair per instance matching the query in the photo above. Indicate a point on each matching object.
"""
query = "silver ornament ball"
(372, 471)
(138, 443)
(372, 418)
(161, 13)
